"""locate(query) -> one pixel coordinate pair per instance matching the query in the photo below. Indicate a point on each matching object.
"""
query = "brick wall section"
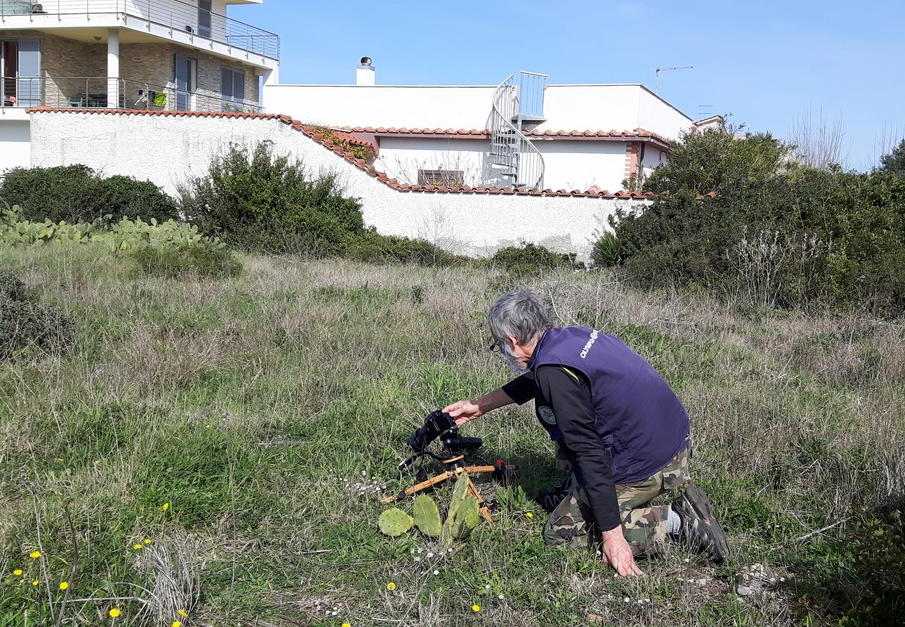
(152, 63)
(631, 161)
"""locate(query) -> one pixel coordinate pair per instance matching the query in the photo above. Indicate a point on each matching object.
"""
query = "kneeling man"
(619, 426)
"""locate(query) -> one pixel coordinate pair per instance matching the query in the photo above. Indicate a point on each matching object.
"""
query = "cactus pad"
(462, 515)
(394, 522)
(427, 516)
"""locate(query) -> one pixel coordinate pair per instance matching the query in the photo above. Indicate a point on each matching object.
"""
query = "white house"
(156, 88)
(126, 54)
(523, 132)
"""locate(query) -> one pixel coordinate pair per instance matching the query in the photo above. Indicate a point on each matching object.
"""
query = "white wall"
(651, 158)
(568, 165)
(15, 146)
(402, 157)
(382, 105)
(472, 224)
(567, 107)
(658, 116)
(581, 165)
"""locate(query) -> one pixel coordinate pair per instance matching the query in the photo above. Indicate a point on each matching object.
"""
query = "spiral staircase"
(514, 161)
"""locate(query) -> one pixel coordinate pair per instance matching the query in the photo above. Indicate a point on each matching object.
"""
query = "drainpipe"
(113, 69)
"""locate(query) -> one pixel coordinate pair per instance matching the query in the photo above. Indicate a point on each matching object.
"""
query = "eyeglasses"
(495, 347)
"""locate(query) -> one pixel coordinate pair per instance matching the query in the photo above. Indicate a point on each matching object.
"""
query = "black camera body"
(440, 425)
(435, 424)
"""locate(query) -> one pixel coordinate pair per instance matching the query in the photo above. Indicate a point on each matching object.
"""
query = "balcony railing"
(73, 92)
(174, 15)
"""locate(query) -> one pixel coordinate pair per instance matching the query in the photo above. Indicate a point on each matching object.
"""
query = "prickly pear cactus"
(462, 515)
(394, 522)
(427, 516)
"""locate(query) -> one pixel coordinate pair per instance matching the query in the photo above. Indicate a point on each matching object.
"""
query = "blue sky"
(767, 63)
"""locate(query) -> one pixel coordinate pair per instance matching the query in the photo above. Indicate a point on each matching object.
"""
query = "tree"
(894, 161)
(818, 143)
(717, 161)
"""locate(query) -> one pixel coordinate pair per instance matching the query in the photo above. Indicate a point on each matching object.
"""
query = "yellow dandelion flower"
(17, 572)
(347, 625)
(391, 586)
(35, 582)
(138, 547)
(182, 613)
(475, 608)
(165, 506)
(529, 514)
(148, 540)
(34, 555)
(114, 612)
(64, 585)
(176, 623)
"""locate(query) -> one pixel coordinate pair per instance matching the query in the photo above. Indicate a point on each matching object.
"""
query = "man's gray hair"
(518, 314)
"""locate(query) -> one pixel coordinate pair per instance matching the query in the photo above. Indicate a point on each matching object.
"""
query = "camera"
(440, 425)
(435, 424)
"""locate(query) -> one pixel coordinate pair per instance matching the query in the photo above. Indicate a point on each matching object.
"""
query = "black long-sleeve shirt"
(567, 393)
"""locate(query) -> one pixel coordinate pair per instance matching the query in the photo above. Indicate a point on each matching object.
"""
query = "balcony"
(171, 19)
(76, 92)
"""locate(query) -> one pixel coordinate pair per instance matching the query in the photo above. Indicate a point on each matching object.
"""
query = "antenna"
(670, 69)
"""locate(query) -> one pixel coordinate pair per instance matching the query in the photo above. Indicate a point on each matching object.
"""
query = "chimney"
(365, 74)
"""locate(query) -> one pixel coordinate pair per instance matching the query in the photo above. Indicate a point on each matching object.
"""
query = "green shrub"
(529, 259)
(372, 247)
(77, 193)
(265, 203)
(26, 323)
(606, 251)
(182, 259)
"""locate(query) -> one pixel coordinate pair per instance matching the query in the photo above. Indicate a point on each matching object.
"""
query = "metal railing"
(514, 160)
(174, 15)
(531, 95)
(94, 92)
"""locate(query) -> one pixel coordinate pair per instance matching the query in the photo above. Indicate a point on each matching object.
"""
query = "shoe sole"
(693, 498)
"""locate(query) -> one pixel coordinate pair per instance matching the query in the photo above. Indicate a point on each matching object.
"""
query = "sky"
(771, 65)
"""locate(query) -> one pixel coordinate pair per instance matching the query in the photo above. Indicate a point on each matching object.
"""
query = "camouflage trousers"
(572, 522)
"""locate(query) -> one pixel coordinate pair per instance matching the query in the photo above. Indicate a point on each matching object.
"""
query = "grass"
(269, 411)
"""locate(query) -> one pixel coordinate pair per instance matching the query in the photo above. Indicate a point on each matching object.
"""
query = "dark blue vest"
(640, 420)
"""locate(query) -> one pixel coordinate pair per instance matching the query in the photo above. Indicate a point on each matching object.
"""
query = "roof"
(638, 134)
(313, 133)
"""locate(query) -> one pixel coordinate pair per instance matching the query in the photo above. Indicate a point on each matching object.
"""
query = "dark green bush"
(529, 258)
(772, 236)
(26, 323)
(185, 259)
(812, 237)
(266, 203)
(76, 193)
(372, 247)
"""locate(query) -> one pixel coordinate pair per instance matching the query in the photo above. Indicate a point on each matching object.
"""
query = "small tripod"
(453, 445)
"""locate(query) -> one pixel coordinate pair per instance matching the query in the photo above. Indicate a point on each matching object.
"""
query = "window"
(20, 73)
(232, 84)
(185, 74)
(447, 178)
(204, 18)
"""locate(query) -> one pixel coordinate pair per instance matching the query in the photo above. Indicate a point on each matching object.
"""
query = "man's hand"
(463, 411)
(618, 553)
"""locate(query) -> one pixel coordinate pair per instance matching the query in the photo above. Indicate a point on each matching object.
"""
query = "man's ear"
(513, 341)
